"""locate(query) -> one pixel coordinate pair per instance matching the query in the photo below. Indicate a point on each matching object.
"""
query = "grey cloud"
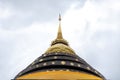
(28, 11)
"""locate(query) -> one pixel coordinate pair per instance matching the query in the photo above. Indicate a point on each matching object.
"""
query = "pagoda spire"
(59, 38)
(59, 35)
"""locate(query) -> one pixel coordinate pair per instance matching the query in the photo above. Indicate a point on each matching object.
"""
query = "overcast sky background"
(92, 28)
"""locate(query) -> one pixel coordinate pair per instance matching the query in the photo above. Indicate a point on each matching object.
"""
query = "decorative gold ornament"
(76, 59)
(78, 65)
(41, 60)
(96, 72)
(44, 64)
(72, 64)
(53, 62)
(88, 68)
(63, 62)
(55, 57)
(67, 70)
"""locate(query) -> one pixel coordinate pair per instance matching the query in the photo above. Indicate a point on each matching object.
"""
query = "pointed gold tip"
(59, 17)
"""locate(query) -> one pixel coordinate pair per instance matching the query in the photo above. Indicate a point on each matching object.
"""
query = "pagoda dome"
(60, 62)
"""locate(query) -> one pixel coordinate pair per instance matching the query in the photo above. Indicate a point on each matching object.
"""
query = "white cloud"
(96, 29)
(5, 11)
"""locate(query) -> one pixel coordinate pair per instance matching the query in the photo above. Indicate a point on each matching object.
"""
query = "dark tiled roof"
(59, 61)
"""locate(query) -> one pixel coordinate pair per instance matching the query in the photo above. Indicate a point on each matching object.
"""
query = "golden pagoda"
(59, 62)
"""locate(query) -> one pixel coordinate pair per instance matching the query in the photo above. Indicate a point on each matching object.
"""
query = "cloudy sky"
(92, 28)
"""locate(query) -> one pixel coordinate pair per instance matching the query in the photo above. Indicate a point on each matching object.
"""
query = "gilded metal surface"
(59, 75)
(60, 48)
